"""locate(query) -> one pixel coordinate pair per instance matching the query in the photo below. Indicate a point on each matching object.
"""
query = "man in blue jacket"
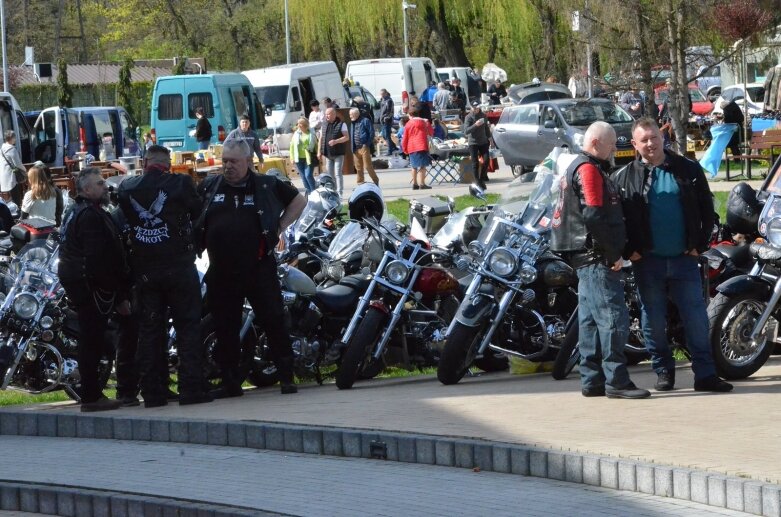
(362, 131)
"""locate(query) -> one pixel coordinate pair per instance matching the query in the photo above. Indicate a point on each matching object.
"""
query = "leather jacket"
(160, 208)
(588, 234)
(695, 195)
(91, 251)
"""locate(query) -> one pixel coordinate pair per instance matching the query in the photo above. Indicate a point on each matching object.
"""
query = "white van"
(287, 90)
(468, 82)
(11, 117)
(402, 77)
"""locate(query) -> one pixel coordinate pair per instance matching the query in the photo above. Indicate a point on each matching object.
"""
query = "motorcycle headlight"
(396, 272)
(773, 231)
(47, 322)
(25, 306)
(335, 271)
(502, 262)
(527, 274)
(476, 248)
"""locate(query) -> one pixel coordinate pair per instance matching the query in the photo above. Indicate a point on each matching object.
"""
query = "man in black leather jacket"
(93, 271)
(245, 214)
(160, 208)
(588, 230)
(669, 217)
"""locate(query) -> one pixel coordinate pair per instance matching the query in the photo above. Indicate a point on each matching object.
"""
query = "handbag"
(20, 175)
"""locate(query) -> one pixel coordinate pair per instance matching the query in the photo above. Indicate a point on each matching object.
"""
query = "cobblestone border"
(704, 487)
(81, 502)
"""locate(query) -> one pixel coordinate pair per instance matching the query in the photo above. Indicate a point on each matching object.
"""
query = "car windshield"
(583, 114)
(274, 97)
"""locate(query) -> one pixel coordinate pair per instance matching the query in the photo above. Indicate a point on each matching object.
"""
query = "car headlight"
(528, 274)
(25, 306)
(396, 272)
(773, 231)
(476, 248)
(502, 262)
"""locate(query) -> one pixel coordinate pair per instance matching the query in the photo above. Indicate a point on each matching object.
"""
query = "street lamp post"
(6, 86)
(404, 7)
(287, 34)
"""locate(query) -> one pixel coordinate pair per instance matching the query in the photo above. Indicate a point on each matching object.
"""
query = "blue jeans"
(604, 327)
(203, 144)
(386, 131)
(676, 278)
(307, 176)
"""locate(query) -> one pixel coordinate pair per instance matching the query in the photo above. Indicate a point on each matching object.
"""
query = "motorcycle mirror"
(451, 203)
(477, 192)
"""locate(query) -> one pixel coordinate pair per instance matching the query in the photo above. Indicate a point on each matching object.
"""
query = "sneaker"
(102, 404)
(425, 187)
(415, 186)
(712, 383)
(665, 380)
(129, 401)
(593, 392)
(201, 397)
(630, 391)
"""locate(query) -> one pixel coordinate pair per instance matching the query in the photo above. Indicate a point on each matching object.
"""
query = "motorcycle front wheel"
(458, 353)
(360, 346)
(731, 320)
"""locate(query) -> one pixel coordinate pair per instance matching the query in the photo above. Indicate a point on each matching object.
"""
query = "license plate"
(174, 143)
(625, 154)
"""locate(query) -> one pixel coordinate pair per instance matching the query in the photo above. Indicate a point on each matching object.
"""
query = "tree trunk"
(58, 28)
(644, 61)
(82, 38)
(452, 43)
(678, 93)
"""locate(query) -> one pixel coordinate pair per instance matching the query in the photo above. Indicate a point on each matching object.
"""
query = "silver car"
(526, 134)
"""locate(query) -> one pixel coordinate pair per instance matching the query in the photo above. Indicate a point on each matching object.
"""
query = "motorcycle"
(38, 331)
(745, 312)
(521, 295)
(405, 308)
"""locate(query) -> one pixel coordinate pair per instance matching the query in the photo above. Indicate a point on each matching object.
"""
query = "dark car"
(526, 134)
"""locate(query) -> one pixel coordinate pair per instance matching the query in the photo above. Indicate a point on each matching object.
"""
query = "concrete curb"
(699, 486)
(83, 502)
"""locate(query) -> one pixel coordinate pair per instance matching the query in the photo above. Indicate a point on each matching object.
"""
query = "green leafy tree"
(125, 87)
(64, 92)
(179, 67)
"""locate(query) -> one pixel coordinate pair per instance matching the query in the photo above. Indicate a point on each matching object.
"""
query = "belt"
(579, 259)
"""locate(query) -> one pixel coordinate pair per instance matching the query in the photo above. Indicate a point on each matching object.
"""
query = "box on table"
(430, 212)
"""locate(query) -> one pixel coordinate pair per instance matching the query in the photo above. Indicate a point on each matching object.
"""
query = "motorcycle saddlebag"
(430, 212)
(32, 229)
(743, 209)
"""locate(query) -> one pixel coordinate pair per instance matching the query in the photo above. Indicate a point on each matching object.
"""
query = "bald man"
(589, 232)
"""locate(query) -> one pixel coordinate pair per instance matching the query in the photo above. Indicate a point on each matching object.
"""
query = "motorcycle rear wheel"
(360, 346)
(731, 320)
(458, 353)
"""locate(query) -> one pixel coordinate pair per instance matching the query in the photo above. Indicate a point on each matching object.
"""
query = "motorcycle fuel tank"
(556, 273)
(296, 281)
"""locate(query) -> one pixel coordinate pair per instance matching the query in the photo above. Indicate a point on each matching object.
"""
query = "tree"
(179, 66)
(125, 87)
(64, 92)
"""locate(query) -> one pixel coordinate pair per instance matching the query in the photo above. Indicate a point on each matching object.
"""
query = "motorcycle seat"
(339, 299)
(358, 282)
(766, 252)
(738, 254)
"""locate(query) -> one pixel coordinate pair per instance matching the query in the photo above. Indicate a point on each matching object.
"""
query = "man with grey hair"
(94, 273)
(10, 189)
(244, 215)
(588, 230)
(442, 97)
(160, 208)
(333, 137)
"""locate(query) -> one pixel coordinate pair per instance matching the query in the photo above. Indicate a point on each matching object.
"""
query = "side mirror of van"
(550, 124)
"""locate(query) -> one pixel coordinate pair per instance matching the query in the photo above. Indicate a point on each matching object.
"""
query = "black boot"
(230, 386)
(285, 371)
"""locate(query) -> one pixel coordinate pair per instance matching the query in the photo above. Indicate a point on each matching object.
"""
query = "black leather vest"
(569, 228)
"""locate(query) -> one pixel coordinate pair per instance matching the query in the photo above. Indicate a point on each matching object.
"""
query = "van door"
(295, 105)
(129, 146)
(195, 100)
(24, 138)
(50, 135)
(307, 94)
(169, 124)
(105, 132)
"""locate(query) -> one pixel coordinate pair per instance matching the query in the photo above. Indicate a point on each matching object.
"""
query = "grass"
(19, 398)
(720, 203)
(399, 208)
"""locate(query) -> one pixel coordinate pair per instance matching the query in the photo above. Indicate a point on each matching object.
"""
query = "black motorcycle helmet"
(366, 202)
(743, 209)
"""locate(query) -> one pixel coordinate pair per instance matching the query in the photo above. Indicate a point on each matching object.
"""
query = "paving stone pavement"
(305, 485)
(731, 433)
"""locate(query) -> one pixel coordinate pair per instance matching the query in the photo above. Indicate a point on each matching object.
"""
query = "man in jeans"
(669, 214)
(363, 142)
(588, 230)
(386, 120)
(333, 138)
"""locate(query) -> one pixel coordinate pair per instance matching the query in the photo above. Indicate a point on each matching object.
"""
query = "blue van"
(223, 97)
(62, 132)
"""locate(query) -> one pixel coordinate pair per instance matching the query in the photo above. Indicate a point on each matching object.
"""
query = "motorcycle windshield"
(35, 267)
(349, 239)
(529, 204)
(451, 231)
(312, 215)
